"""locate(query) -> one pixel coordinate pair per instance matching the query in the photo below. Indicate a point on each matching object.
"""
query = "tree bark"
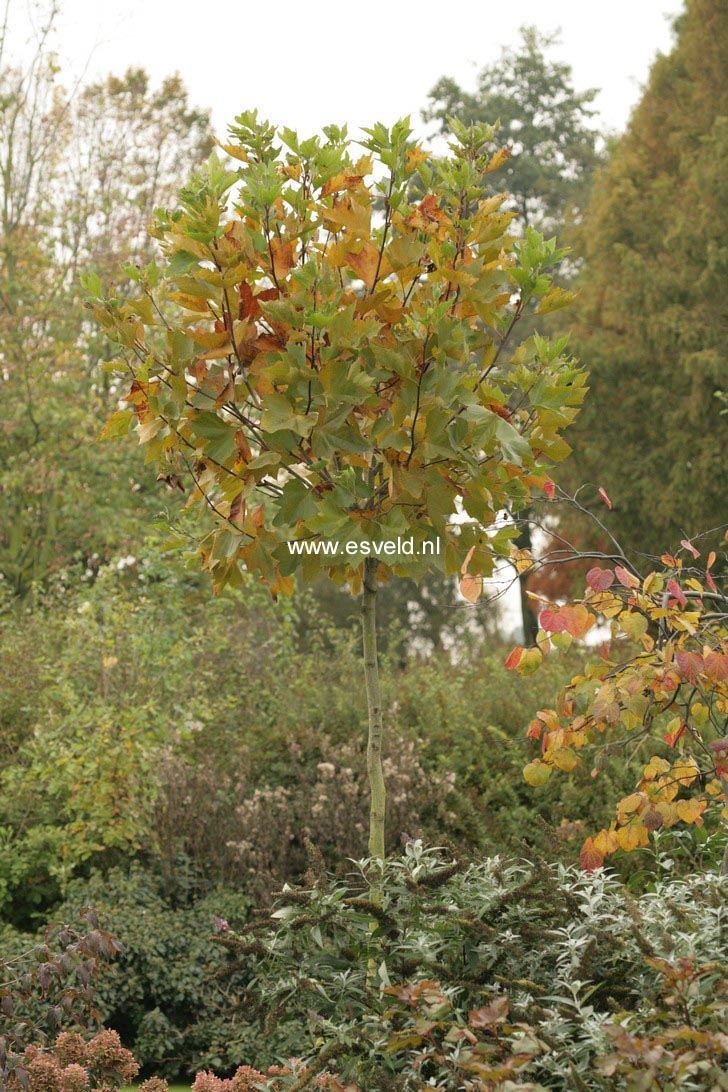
(528, 618)
(724, 865)
(374, 703)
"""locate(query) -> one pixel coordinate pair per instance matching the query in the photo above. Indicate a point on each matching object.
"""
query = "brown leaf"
(241, 442)
(282, 257)
(495, 1012)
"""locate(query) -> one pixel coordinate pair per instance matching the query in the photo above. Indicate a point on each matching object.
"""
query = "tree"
(549, 127)
(546, 122)
(330, 383)
(652, 314)
(80, 174)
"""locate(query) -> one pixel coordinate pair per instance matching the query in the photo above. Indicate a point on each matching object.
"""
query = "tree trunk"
(724, 865)
(528, 618)
(374, 702)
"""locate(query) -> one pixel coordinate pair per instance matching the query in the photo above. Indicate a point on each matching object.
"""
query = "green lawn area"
(172, 1088)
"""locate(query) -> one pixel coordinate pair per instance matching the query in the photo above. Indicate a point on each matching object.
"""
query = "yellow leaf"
(530, 661)
(606, 842)
(117, 425)
(633, 624)
(565, 759)
(685, 770)
(690, 811)
(497, 160)
(631, 803)
(554, 300)
(655, 767)
(630, 837)
(537, 773)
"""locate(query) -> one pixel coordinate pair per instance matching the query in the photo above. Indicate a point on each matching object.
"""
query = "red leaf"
(605, 498)
(590, 858)
(716, 666)
(550, 490)
(690, 663)
(513, 659)
(627, 580)
(711, 582)
(686, 545)
(674, 588)
(574, 620)
(600, 579)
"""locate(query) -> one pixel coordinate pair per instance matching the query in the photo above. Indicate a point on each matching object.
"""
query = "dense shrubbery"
(501, 974)
(178, 788)
(474, 974)
(138, 705)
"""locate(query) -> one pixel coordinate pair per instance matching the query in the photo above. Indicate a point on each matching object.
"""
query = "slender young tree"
(323, 355)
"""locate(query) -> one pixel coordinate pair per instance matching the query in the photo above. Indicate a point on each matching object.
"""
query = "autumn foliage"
(660, 683)
(324, 355)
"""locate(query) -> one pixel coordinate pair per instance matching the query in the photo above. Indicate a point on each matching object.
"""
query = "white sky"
(308, 64)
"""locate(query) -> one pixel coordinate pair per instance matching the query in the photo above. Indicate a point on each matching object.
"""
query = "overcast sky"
(307, 64)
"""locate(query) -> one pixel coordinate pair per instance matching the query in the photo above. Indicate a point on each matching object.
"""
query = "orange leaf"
(574, 620)
(471, 587)
(340, 182)
(364, 263)
(282, 257)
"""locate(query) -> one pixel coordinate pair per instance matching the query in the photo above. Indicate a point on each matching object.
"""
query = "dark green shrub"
(159, 995)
